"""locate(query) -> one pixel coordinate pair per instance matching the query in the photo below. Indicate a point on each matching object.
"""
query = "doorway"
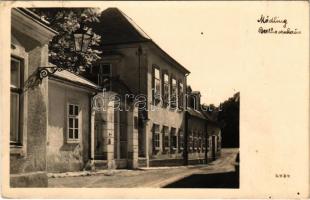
(99, 140)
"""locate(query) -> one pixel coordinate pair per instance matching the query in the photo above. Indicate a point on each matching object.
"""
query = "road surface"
(218, 174)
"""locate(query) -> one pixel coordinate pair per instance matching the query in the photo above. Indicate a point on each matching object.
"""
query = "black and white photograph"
(157, 95)
(108, 107)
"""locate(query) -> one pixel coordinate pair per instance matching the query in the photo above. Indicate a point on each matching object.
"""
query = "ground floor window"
(156, 136)
(173, 138)
(195, 141)
(203, 143)
(210, 143)
(73, 122)
(181, 140)
(16, 101)
(190, 141)
(166, 138)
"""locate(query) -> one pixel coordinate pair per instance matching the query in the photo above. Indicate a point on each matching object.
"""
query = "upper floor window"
(73, 122)
(174, 97)
(156, 85)
(16, 101)
(104, 73)
(156, 136)
(181, 94)
(165, 89)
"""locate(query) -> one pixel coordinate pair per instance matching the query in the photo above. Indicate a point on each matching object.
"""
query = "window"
(156, 136)
(16, 102)
(166, 86)
(195, 141)
(166, 137)
(174, 97)
(135, 122)
(199, 142)
(156, 85)
(190, 141)
(173, 138)
(181, 94)
(181, 140)
(210, 143)
(203, 143)
(73, 122)
(103, 75)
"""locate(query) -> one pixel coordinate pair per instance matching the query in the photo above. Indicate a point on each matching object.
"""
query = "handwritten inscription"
(275, 25)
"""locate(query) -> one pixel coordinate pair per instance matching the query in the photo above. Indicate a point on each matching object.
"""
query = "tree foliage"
(228, 118)
(62, 49)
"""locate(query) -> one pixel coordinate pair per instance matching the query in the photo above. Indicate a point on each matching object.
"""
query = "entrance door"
(213, 147)
(99, 141)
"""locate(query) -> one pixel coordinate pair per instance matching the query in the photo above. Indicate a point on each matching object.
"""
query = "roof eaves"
(59, 78)
(36, 18)
(148, 38)
(171, 58)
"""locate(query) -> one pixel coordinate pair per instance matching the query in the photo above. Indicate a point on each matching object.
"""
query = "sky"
(202, 42)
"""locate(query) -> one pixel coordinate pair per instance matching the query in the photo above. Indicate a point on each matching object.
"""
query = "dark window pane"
(105, 69)
(15, 73)
(70, 109)
(70, 122)
(71, 133)
(14, 116)
(76, 123)
(136, 122)
(76, 133)
(76, 110)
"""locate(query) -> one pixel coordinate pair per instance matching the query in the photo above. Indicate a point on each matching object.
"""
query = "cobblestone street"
(149, 177)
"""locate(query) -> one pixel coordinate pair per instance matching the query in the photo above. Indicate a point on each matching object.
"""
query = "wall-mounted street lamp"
(82, 38)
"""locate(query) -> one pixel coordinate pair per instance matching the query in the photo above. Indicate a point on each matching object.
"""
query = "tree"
(228, 118)
(66, 21)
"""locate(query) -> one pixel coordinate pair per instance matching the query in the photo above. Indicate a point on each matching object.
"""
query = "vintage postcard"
(110, 99)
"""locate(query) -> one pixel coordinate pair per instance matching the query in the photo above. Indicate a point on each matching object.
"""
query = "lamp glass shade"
(78, 41)
(86, 41)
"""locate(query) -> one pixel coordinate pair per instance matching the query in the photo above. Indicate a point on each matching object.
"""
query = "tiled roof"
(117, 28)
(73, 78)
(195, 113)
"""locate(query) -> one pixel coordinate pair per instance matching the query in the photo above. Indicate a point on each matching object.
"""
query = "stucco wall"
(61, 155)
(28, 164)
(197, 124)
(161, 115)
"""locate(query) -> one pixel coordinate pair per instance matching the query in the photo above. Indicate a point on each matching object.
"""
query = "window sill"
(157, 148)
(17, 150)
(71, 141)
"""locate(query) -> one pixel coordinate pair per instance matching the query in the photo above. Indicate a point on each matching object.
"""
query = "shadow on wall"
(219, 180)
